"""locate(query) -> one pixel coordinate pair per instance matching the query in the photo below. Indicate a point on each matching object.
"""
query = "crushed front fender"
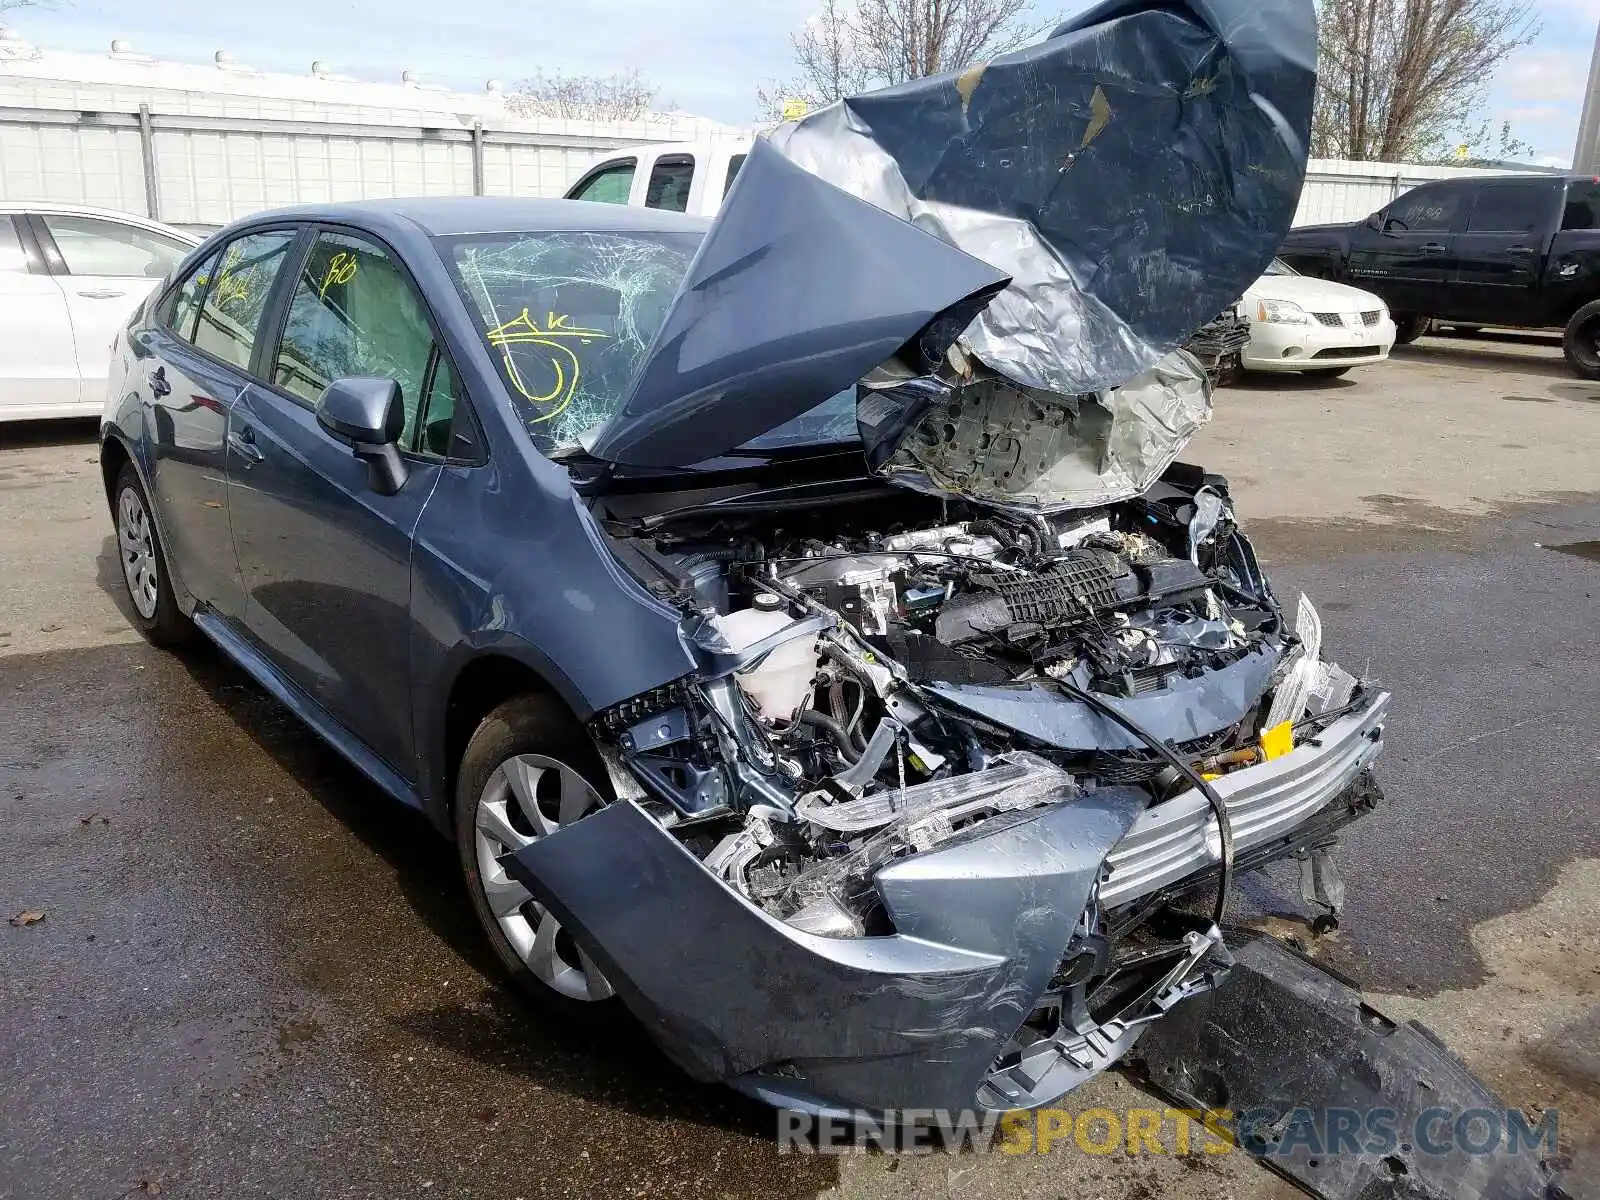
(910, 1020)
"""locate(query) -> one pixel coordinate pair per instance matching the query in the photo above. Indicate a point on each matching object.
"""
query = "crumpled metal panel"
(1030, 450)
(1330, 1093)
(1185, 710)
(797, 291)
(910, 1020)
(1133, 173)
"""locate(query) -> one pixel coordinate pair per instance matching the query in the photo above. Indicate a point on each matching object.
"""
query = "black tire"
(1580, 341)
(1408, 327)
(527, 725)
(143, 560)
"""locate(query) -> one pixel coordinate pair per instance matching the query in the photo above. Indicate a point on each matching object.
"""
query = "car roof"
(12, 207)
(732, 145)
(443, 216)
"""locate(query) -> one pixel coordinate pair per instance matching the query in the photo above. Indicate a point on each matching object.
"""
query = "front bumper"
(1275, 347)
(1266, 802)
(916, 1019)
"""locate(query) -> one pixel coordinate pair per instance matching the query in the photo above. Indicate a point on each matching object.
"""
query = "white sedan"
(1302, 324)
(69, 279)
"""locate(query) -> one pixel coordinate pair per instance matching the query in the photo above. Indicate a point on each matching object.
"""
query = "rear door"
(1409, 260)
(1501, 249)
(107, 269)
(38, 362)
(325, 559)
(196, 354)
(671, 184)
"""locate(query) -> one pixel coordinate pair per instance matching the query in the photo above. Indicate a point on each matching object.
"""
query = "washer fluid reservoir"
(780, 684)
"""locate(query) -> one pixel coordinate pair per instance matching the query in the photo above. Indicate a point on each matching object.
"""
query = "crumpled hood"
(1127, 177)
(1133, 173)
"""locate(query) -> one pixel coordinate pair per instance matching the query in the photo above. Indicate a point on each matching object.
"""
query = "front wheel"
(1580, 341)
(1408, 327)
(528, 771)
(144, 563)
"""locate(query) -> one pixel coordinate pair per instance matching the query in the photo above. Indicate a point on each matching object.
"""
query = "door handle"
(158, 383)
(1432, 247)
(102, 294)
(243, 443)
(1519, 249)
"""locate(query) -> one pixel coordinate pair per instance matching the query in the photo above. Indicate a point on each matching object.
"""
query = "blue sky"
(705, 55)
(1540, 91)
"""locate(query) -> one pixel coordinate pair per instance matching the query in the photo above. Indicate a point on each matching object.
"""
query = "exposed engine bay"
(859, 644)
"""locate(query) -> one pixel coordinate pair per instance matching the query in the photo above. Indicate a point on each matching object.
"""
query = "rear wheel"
(1408, 327)
(528, 771)
(144, 563)
(1580, 342)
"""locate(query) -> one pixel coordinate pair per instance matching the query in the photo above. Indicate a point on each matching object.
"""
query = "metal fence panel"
(214, 158)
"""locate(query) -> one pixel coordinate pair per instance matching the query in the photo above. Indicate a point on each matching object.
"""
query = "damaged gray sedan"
(804, 623)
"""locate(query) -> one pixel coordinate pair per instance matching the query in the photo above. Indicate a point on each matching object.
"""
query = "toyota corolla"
(802, 623)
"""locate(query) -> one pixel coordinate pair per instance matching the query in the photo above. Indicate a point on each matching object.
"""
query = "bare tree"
(624, 97)
(1400, 80)
(853, 46)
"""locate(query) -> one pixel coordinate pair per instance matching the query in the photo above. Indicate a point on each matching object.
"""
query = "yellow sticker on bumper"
(1278, 741)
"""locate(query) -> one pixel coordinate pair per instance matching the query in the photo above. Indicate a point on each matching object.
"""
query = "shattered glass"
(568, 316)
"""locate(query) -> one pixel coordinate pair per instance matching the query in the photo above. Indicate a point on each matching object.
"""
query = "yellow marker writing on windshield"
(554, 340)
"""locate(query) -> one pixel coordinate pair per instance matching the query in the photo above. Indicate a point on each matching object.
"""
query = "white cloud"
(1547, 76)
(1589, 9)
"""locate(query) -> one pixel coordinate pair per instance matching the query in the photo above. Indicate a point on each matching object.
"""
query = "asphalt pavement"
(253, 976)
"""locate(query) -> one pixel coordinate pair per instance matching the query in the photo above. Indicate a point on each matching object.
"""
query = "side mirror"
(1375, 222)
(367, 412)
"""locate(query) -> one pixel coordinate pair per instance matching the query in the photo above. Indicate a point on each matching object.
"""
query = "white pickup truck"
(689, 177)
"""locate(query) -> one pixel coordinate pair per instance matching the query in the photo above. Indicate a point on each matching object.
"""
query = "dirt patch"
(1397, 524)
(1531, 1030)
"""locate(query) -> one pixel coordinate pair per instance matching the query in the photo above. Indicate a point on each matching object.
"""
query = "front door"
(325, 559)
(1409, 259)
(38, 364)
(109, 267)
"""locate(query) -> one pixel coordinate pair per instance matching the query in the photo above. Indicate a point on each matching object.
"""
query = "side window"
(1426, 210)
(1583, 205)
(12, 257)
(92, 246)
(669, 183)
(354, 312)
(181, 308)
(446, 429)
(1509, 207)
(609, 185)
(236, 295)
(734, 164)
